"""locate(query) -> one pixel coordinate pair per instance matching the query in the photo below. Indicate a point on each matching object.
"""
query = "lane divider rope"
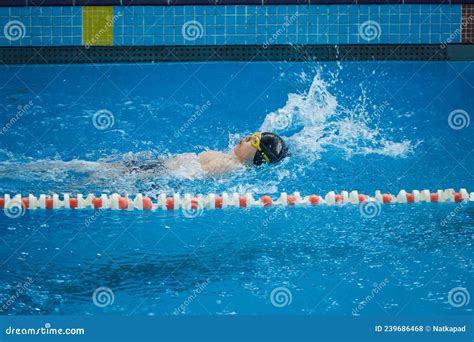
(213, 201)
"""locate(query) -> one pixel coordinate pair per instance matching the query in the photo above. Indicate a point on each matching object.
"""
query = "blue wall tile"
(245, 24)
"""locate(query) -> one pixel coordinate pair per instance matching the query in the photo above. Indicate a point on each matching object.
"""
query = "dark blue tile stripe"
(96, 2)
(251, 53)
(50, 2)
(11, 3)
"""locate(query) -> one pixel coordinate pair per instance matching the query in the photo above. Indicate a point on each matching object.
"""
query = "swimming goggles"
(255, 142)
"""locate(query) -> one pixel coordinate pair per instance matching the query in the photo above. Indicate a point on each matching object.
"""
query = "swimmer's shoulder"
(217, 163)
(210, 162)
(207, 156)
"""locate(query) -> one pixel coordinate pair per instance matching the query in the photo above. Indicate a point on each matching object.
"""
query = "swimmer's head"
(261, 147)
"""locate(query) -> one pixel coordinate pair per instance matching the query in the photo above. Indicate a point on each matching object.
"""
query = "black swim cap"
(273, 146)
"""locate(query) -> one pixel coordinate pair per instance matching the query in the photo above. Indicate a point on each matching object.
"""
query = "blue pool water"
(350, 126)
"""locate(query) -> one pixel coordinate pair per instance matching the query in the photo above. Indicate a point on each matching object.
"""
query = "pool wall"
(235, 24)
(246, 27)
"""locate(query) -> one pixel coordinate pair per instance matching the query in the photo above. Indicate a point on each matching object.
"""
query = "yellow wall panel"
(97, 25)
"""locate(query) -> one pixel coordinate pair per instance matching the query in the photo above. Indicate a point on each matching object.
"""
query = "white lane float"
(225, 200)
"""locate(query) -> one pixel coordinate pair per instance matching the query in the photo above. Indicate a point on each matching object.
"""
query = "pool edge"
(203, 53)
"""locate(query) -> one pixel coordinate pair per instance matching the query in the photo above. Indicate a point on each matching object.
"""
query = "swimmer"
(255, 149)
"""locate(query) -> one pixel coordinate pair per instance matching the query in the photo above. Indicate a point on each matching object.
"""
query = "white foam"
(314, 121)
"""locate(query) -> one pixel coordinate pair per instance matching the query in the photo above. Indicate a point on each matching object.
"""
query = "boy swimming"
(255, 149)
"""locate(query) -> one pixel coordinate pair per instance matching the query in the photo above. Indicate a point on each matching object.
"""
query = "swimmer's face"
(244, 150)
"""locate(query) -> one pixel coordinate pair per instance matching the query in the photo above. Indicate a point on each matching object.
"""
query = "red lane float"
(291, 200)
(457, 197)
(218, 202)
(170, 203)
(49, 203)
(123, 203)
(97, 203)
(225, 200)
(147, 203)
(266, 200)
(73, 203)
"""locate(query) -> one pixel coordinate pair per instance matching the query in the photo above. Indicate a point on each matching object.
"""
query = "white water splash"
(317, 123)
(313, 122)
